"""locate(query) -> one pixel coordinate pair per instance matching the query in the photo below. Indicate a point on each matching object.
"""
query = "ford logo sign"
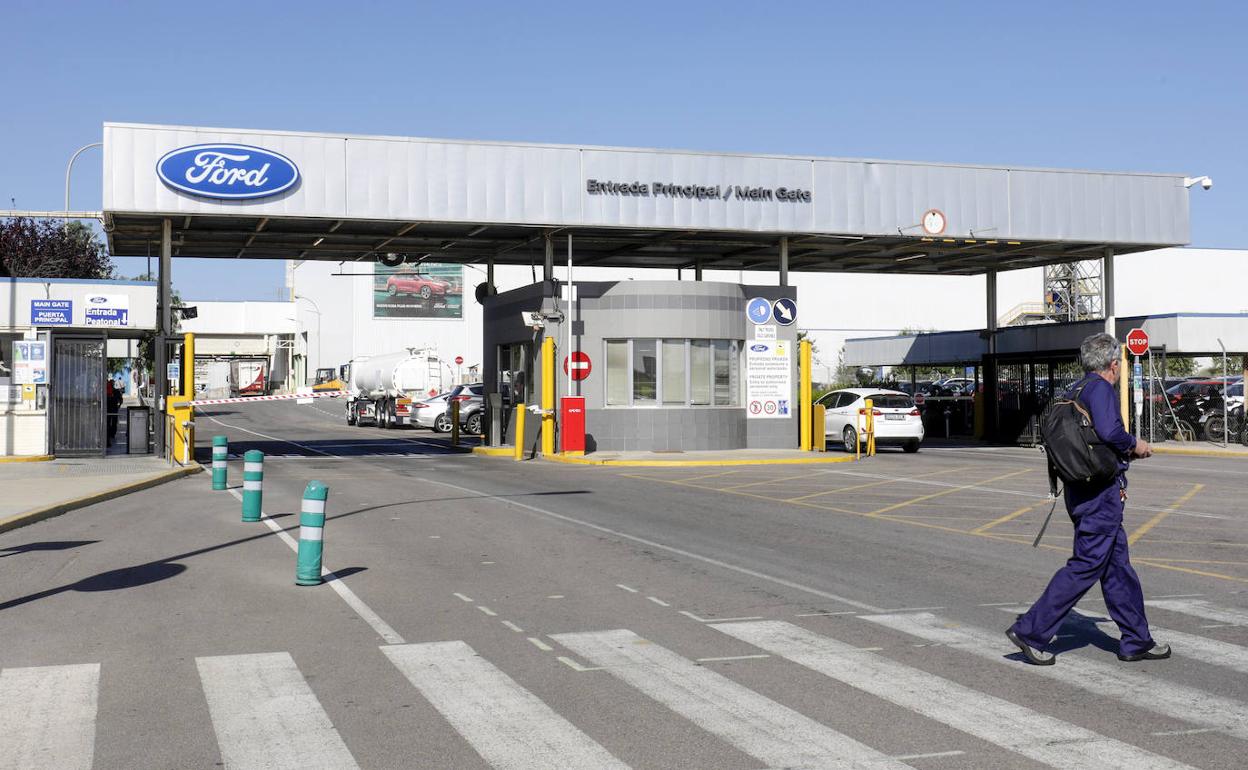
(760, 348)
(97, 300)
(230, 171)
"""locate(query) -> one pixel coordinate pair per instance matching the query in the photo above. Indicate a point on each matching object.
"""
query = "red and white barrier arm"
(250, 399)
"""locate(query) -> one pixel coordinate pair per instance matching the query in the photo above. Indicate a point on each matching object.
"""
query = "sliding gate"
(78, 403)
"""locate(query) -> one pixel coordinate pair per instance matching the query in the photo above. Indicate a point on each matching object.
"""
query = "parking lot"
(1184, 514)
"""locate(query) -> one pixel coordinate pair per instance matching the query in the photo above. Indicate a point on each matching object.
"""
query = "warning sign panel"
(768, 380)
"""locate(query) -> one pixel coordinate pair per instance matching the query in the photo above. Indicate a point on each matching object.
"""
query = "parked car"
(416, 284)
(429, 413)
(897, 419)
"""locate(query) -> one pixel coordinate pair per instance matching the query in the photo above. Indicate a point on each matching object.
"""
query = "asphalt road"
(483, 612)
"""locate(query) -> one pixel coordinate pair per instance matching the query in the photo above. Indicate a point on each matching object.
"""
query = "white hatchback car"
(897, 420)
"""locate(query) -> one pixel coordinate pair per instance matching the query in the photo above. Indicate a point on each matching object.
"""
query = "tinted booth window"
(617, 373)
(645, 372)
(700, 372)
(673, 371)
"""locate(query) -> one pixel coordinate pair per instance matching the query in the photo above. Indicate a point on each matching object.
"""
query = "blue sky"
(1125, 86)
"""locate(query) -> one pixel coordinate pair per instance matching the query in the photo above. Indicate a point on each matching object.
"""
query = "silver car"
(432, 413)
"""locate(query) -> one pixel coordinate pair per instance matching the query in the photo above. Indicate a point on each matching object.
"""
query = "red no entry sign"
(459, 360)
(581, 365)
(1137, 341)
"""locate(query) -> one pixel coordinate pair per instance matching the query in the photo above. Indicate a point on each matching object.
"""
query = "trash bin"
(138, 424)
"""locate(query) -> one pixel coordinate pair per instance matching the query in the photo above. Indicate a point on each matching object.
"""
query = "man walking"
(1100, 551)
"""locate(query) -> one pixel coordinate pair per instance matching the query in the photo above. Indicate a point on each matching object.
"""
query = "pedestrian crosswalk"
(263, 711)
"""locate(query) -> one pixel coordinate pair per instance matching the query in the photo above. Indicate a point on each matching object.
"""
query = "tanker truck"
(381, 388)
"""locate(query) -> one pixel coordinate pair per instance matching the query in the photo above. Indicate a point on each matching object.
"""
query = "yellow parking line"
(712, 475)
(949, 491)
(766, 481)
(876, 483)
(1190, 561)
(1007, 517)
(1146, 526)
(1202, 573)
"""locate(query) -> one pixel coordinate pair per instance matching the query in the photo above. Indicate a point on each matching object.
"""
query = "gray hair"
(1098, 352)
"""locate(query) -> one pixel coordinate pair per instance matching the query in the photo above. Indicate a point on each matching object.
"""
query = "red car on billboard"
(417, 284)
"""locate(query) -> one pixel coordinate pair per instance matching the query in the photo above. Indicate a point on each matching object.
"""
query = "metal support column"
(784, 260)
(489, 276)
(548, 270)
(1107, 292)
(165, 326)
(989, 393)
(697, 270)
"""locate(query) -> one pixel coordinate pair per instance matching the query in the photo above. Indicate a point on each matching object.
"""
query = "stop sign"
(1137, 341)
(581, 365)
(459, 360)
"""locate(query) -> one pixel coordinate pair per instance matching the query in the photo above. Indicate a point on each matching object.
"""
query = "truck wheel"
(473, 425)
(442, 424)
(383, 412)
(351, 418)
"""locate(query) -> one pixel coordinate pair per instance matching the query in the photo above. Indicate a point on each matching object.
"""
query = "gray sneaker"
(1158, 652)
(1034, 657)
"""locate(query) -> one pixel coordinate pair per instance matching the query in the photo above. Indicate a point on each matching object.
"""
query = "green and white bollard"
(311, 534)
(220, 471)
(253, 477)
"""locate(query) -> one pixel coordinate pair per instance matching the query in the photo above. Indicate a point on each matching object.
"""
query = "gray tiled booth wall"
(648, 309)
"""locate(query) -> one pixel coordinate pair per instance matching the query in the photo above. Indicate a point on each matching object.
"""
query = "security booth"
(396, 220)
(661, 365)
(67, 343)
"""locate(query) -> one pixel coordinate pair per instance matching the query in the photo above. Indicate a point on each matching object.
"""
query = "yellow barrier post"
(180, 416)
(869, 408)
(804, 393)
(518, 422)
(818, 430)
(548, 396)
(858, 427)
(454, 423)
(188, 390)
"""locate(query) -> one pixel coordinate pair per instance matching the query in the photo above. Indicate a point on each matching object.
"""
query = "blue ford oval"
(229, 171)
(759, 348)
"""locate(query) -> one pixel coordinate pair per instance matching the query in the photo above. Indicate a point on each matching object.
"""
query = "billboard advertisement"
(426, 290)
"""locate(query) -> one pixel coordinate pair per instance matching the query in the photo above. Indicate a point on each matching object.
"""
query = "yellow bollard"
(818, 430)
(803, 407)
(518, 422)
(181, 417)
(548, 396)
(869, 408)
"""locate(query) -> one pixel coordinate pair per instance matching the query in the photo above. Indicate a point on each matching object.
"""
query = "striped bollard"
(253, 477)
(220, 471)
(311, 534)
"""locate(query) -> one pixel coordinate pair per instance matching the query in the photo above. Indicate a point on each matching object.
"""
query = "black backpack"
(1076, 454)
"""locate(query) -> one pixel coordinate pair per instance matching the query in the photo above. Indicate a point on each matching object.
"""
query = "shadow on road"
(50, 545)
(168, 567)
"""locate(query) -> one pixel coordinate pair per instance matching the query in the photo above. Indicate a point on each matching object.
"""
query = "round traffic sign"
(1137, 341)
(581, 365)
(459, 360)
(758, 310)
(784, 310)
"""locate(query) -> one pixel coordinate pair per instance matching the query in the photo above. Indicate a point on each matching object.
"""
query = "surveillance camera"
(1206, 183)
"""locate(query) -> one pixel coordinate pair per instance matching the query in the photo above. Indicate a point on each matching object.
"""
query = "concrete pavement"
(538, 615)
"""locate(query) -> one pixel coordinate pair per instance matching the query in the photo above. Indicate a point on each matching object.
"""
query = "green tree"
(49, 248)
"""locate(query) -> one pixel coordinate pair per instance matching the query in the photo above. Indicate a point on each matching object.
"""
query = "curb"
(27, 459)
(40, 514)
(695, 463)
(1200, 452)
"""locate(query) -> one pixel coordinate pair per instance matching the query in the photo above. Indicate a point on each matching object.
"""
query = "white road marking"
(1202, 609)
(932, 755)
(47, 714)
(487, 610)
(539, 644)
(617, 585)
(1127, 684)
(768, 731)
(487, 562)
(653, 544)
(572, 664)
(462, 598)
(724, 658)
(658, 601)
(366, 613)
(826, 614)
(555, 596)
(690, 615)
(512, 626)
(505, 723)
(1211, 651)
(1015, 728)
(265, 715)
(1196, 731)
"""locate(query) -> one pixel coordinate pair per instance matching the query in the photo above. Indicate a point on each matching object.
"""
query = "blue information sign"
(758, 310)
(51, 312)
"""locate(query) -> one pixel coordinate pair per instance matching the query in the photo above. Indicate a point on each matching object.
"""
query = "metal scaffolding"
(1073, 291)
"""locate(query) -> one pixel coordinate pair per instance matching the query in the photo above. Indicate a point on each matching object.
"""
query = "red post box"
(572, 419)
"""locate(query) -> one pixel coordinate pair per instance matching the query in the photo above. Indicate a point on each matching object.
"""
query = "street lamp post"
(317, 310)
(69, 169)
